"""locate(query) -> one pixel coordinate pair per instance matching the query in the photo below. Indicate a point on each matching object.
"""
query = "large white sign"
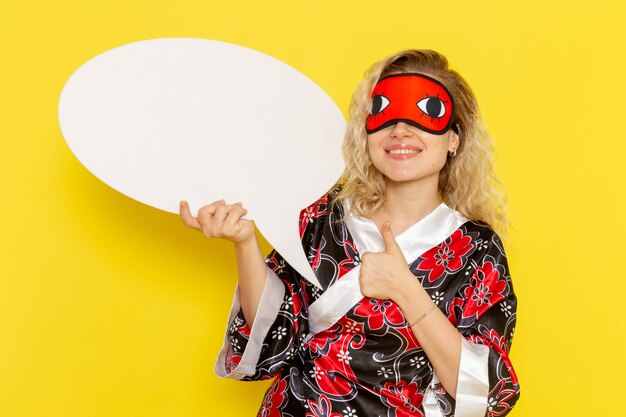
(170, 119)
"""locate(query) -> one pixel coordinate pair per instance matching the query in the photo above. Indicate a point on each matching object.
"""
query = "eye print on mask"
(415, 99)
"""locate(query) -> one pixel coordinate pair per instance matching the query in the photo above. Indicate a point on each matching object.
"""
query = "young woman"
(416, 312)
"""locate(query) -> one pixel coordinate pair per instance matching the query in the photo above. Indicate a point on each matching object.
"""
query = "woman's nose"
(400, 129)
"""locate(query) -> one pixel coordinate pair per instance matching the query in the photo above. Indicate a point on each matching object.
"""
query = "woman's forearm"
(253, 274)
(440, 340)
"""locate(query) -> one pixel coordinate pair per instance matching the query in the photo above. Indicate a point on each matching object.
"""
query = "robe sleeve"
(260, 351)
(485, 313)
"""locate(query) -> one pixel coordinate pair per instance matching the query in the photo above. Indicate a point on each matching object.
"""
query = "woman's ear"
(455, 141)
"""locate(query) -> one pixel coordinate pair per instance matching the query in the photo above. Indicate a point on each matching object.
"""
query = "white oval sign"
(169, 119)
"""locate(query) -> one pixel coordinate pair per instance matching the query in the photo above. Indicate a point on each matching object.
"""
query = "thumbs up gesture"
(385, 275)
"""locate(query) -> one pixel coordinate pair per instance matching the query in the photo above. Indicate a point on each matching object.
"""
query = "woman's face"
(407, 154)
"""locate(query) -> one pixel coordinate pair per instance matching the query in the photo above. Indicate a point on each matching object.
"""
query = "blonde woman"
(417, 311)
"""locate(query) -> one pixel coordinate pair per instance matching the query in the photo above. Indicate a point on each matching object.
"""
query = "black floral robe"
(334, 353)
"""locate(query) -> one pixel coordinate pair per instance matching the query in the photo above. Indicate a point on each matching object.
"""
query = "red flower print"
(352, 259)
(486, 289)
(317, 209)
(500, 400)
(332, 371)
(491, 338)
(456, 305)
(495, 339)
(379, 312)
(274, 399)
(321, 409)
(351, 326)
(447, 256)
(231, 361)
(481, 294)
(403, 399)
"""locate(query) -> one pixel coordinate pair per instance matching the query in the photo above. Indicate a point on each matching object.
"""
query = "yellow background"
(112, 308)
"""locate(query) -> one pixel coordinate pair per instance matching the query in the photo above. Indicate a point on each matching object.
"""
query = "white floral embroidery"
(437, 297)
(418, 361)
(303, 345)
(307, 216)
(279, 333)
(352, 327)
(290, 354)
(386, 373)
(350, 412)
(316, 372)
(492, 403)
(237, 322)
(234, 343)
(281, 266)
(315, 292)
(344, 356)
(506, 309)
(287, 303)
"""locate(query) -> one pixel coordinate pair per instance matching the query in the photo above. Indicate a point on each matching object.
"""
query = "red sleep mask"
(415, 99)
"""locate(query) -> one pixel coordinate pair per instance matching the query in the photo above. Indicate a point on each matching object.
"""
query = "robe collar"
(429, 231)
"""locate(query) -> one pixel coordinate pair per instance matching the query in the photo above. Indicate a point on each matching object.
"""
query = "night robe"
(334, 353)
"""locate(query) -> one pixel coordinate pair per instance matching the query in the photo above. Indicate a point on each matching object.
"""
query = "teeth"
(402, 151)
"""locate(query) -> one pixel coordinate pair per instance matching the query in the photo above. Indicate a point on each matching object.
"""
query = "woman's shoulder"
(318, 217)
(321, 206)
(480, 227)
(484, 240)
(481, 231)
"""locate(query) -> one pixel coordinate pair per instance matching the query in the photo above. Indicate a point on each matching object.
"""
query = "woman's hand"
(385, 275)
(220, 220)
(223, 220)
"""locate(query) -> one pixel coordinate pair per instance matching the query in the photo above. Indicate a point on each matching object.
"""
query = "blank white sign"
(170, 119)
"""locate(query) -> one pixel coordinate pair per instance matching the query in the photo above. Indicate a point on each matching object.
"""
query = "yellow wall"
(110, 308)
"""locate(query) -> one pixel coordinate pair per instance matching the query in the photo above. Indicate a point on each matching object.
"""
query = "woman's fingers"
(187, 218)
(217, 219)
(225, 220)
(235, 214)
(205, 214)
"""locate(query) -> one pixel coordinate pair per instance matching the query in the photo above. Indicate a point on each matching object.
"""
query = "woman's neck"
(407, 203)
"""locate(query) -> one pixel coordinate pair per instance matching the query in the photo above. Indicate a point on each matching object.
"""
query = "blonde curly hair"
(466, 182)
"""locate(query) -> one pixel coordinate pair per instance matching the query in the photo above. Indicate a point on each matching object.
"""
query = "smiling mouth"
(402, 151)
